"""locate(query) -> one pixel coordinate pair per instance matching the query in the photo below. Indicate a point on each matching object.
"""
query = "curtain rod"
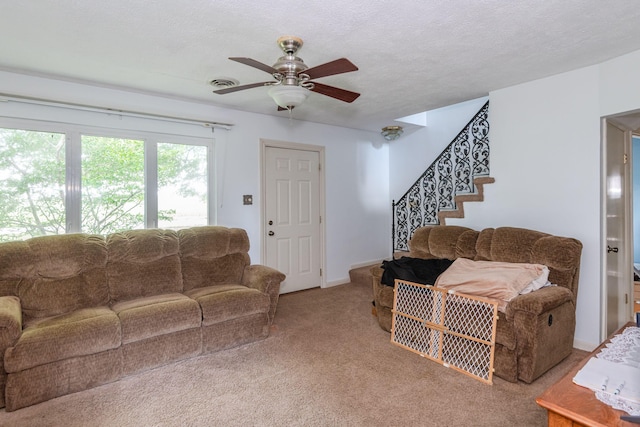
(4, 97)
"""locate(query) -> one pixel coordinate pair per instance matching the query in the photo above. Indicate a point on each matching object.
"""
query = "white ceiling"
(413, 55)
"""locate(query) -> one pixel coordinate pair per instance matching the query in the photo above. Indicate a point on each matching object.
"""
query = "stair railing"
(451, 173)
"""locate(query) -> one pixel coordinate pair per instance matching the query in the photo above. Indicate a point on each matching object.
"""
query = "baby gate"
(455, 330)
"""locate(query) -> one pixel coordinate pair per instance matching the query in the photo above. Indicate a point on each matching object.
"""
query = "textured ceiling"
(412, 55)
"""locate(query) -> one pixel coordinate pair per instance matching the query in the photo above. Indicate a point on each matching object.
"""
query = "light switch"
(247, 199)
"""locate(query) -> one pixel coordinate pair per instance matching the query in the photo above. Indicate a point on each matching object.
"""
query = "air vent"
(223, 82)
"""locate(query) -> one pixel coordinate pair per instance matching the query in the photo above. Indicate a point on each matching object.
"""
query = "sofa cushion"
(483, 245)
(16, 263)
(466, 245)
(225, 302)
(45, 297)
(156, 315)
(510, 244)
(562, 256)
(143, 263)
(54, 275)
(213, 255)
(442, 242)
(200, 273)
(82, 332)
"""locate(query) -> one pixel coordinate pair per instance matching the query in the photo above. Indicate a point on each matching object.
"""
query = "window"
(57, 182)
(32, 195)
(182, 185)
(112, 183)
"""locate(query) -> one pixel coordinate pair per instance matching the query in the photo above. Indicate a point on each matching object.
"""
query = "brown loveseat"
(81, 310)
(536, 331)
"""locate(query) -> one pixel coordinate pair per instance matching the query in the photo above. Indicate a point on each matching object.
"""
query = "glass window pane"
(182, 185)
(32, 194)
(112, 184)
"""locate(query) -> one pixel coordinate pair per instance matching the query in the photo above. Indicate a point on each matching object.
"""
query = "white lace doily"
(616, 402)
(623, 348)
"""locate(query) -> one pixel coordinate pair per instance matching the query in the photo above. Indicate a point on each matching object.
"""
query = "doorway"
(617, 224)
(293, 206)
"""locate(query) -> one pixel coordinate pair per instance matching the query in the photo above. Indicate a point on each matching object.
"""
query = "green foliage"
(32, 168)
(33, 174)
(112, 184)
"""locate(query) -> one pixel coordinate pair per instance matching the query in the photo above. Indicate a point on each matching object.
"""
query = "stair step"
(460, 199)
(471, 197)
(362, 275)
(484, 180)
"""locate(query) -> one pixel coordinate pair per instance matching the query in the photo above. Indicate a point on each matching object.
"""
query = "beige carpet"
(326, 363)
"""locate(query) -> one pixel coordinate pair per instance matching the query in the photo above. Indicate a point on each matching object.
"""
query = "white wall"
(415, 150)
(357, 217)
(545, 157)
(356, 169)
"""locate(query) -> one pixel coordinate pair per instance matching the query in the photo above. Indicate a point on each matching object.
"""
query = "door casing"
(264, 144)
(623, 290)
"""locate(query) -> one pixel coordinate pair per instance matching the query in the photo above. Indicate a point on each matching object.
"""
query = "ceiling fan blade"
(255, 64)
(335, 92)
(237, 88)
(339, 66)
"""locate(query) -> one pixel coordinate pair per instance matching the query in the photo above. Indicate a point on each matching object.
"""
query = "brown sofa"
(81, 310)
(536, 331)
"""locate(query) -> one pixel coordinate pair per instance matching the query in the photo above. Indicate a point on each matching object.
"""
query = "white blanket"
(499, 281)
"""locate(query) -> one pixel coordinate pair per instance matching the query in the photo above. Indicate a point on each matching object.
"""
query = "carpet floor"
(325, 363)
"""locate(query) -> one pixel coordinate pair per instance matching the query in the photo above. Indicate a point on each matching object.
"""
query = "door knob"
(271, 233)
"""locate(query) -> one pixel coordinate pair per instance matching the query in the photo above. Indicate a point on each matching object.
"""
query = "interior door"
(617, 257)
(292, 216)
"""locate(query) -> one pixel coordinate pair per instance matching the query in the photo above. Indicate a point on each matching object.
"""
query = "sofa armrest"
(267, 280)
(544, 325)
(10, 322)
(539, 301)
(262, 278)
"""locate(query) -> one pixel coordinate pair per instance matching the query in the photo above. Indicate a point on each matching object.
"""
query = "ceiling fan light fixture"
(391, 133)
(288, 96)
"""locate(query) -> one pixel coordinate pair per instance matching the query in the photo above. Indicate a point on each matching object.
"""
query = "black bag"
(416, 270)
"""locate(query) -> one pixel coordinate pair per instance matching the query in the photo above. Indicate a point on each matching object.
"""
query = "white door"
(292, 216)
(617, 256)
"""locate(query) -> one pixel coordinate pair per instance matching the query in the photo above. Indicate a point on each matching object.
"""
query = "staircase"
(460, 199)
(456, 176)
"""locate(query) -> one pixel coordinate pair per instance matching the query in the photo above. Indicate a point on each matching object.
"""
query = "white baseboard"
(346, 280)
(583, 345)
(366, 264)
(337, 282)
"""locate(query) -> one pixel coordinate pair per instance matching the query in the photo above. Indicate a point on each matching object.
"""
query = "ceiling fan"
(293, 78)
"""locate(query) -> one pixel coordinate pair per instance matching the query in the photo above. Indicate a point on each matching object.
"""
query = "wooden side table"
(569, 404)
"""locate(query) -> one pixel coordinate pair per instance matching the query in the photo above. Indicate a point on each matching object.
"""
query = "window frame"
(73, 158)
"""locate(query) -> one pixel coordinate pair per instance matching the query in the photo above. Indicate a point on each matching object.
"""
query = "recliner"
(536, 331)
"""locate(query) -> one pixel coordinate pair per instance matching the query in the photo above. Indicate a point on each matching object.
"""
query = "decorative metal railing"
(451, 173)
